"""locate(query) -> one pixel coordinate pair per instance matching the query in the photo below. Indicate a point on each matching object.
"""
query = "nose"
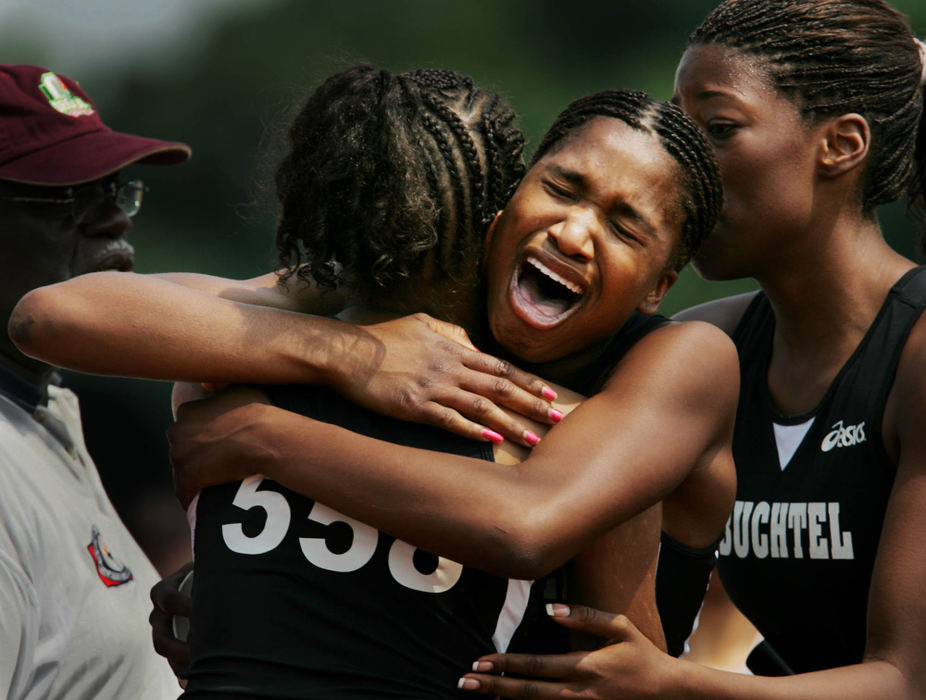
(107, 220)
(574, 234)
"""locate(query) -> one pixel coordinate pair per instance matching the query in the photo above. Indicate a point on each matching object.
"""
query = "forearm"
(476, 512)
(150, 327)
(873, 679)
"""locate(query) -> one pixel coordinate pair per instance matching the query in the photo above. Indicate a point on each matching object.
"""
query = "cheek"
(767, 175)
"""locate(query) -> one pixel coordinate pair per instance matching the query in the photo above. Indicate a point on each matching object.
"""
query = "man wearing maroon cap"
(73, 583)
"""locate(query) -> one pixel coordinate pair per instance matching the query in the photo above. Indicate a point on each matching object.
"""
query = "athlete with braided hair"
(391, 141)
(384, 176)
(816, 112)
(620, 194)
(594, 232)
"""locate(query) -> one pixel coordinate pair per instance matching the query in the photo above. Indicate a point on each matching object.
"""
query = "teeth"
(572, 287)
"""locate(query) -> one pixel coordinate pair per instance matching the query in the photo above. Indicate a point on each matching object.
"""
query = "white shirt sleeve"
(19, 629)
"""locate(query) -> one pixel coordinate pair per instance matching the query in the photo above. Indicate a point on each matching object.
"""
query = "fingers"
(430, 373)
(176, 652)
(612, 627)
(167, 596)
(555, 666)
(475, 417)
(519, 391)
(504, 384)
(168, 601)
(497, 392)
(560, 669)
(476, 397)
(512, 687)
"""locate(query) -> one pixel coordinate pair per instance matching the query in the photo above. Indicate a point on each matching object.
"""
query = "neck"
(830, 289)
(463, 306)
(824, 304)
(30, 371)
(467, 315)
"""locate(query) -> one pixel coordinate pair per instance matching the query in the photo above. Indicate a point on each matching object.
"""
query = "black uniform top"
(286, 605)
(799, 548)
(294, 600)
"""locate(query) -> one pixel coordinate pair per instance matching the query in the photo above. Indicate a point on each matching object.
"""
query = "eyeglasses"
(84, 198)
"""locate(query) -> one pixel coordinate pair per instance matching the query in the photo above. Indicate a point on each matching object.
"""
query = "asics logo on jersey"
(843, 436)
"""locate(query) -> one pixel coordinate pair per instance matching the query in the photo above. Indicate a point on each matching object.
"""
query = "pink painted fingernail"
(548, 393)
(492, 436)
(482, 666)
(531, 438)
(555, 415)
(468, 684)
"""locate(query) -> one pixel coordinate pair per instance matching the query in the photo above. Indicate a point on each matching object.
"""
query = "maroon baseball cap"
(51, 133)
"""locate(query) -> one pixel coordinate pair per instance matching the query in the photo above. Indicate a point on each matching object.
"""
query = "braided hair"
(701, 195)
(834, 57)
(385, 169)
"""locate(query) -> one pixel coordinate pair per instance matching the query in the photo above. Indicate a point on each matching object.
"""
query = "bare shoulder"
(699, 343)
(695, 361)
(724, 313)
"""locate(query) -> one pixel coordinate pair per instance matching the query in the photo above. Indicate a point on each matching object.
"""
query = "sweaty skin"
(615, 456)
(826, 270)
(596, 226)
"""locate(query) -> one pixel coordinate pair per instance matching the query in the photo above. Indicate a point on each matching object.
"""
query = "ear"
(490, 232)
(844, 144)
(653, 299)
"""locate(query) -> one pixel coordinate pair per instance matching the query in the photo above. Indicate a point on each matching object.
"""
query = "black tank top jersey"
(294, 600)
(288, 606)
(799, 548)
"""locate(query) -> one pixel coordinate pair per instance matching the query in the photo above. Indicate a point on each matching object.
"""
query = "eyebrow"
(627, 211)
(702, 95)
(570, 176)
(623, 209)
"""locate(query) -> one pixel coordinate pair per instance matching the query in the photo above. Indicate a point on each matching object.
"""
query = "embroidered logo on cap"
(111, 571)
(62, 99)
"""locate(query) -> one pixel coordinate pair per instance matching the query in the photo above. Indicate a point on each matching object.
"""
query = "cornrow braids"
(701, 196)
(387, 171)
(834, 57)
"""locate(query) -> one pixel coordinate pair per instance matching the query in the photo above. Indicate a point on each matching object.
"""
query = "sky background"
(108, 36)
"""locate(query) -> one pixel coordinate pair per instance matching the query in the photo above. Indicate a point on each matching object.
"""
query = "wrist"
(351, 358)
(677, 679)
(319, 351)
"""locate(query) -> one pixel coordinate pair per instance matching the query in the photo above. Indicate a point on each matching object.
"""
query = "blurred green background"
(224, 77)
